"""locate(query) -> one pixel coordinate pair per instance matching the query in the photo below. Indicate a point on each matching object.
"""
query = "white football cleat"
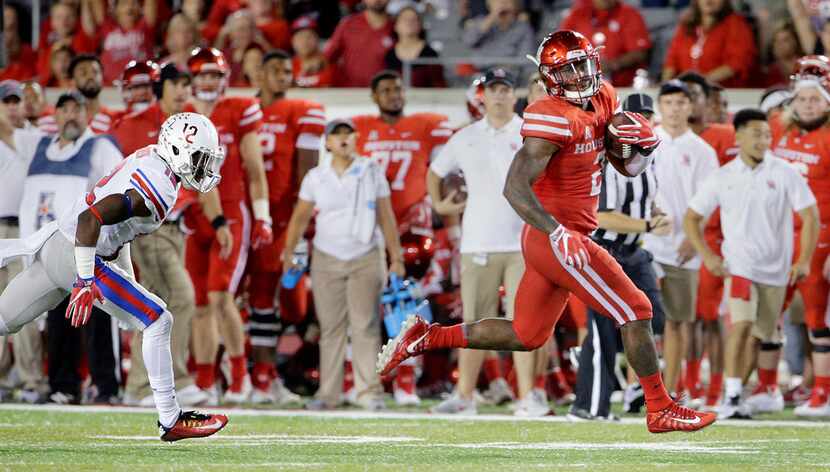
(282, 396)
(455, 405)
(404, 398)
(535, 404)
(769, 400)
(242, 395)
(191, 396)
(734, 408)
(810, 410)
(498, 392)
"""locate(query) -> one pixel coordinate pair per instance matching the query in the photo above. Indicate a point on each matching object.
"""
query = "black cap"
(674, 86)
(638, 103)
(499, 76)
(332, 125)
(70, 96)
(11, 88)
(171, 71)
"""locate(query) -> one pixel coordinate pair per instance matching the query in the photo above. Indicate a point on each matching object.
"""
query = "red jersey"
(321, 78)
(404, 150)
(288, 125)
(570, 185)
(21, 67)
(119, 46)
(358, 50)
(809, 152)
(139, 129)
(234, 117)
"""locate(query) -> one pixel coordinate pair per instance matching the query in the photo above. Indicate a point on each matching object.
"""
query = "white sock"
(734, 387)
(156, 349)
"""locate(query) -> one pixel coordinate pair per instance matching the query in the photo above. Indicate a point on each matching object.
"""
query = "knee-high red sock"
(768, 377)
(405, 378)
(205, 376)
(238, 372)
(692, 373)
(492, 369)
(261, 375)
(715, 386)
(443, 337)
(540, 381)
(657, 398)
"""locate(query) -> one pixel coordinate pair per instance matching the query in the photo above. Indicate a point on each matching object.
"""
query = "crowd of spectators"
(342, 44)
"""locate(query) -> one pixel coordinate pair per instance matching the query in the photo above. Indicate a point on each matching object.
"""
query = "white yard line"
(383, 415)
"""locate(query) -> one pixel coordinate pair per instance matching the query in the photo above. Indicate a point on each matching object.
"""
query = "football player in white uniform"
(134, 199)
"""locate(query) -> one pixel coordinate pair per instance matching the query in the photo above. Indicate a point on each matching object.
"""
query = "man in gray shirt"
(501, 33)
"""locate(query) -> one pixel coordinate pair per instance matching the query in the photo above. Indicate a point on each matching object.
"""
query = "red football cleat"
(192, 424)
(678, 418)
(408, 343)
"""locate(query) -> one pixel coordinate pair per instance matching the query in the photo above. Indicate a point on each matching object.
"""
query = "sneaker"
(213, 394)
(191, 396)
(815, 408)
(498, 392)
(766, 400)
(733, 408)
(261, 397)
(404, 397)
(316, 404)
(411, 341)
(60, 398)
(374, 403)
(579, 415)
(535, 404)
(282, 395)
(633, 398)
(455, 405)
(240, 396)
(192, 424)
(30, 396)
(678, 418)
(797, 395)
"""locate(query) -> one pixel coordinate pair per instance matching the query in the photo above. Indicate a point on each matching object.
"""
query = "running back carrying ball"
(619, 144)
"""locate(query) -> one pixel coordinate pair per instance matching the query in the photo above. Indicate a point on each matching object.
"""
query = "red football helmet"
(208, 61)
(136, 83)
(417, 253)
(811, 71)
(475, 99)
(569, 66)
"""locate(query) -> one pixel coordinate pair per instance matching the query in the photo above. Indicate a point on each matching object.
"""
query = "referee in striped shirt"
(626, 211)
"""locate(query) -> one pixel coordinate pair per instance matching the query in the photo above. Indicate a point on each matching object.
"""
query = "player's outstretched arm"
(529, 163)
(251, 150)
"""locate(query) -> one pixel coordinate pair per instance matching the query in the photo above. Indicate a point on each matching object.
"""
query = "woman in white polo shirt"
(351, 198)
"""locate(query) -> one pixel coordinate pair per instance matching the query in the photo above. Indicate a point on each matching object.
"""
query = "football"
(454, 181)
(616, 152)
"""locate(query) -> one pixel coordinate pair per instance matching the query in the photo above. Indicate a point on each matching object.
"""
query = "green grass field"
(90, 438)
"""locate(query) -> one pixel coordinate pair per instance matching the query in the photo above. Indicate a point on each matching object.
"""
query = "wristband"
(261, 210)
(648, 226)
(85, 262)
(219, 222)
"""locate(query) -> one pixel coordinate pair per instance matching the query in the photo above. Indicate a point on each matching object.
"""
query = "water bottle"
(300, 261)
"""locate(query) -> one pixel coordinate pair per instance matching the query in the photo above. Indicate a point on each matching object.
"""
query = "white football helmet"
(189, 143)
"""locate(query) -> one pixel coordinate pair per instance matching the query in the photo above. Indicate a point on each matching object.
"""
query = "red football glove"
(640, 134)
(262, 234)
(568, 245)
(84, 294)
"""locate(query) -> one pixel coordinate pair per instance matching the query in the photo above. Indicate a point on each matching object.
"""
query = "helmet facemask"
(202, 171)
(576, 81)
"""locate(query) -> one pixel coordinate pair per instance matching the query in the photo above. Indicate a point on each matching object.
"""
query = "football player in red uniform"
(136, 85)
(801, 135)
(221, 228)
(290, 137)
(554, 185)
(404, 146)
(710, 287)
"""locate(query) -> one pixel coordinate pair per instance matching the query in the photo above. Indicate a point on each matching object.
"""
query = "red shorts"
(209, 272)
(548, 282)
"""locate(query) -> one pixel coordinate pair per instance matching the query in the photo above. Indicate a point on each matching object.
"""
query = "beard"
(90, 91)
(812, 124)
(71, 131)
(397, 112)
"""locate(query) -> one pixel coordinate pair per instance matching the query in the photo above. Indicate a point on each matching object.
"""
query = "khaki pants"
(346, 297)
(762, 309)
(159, 257)
(27, 343)
(679, 289)
(481, 276)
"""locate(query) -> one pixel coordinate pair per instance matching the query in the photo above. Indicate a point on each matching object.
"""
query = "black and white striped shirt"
(631, 196)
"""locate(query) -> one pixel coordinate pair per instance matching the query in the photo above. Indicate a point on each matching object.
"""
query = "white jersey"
(146, 173)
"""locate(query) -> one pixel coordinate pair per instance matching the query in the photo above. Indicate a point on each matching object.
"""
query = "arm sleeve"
(439, 133)
(740, 48)
(381, 184)
(546, 123)
(801, 196)
(334, 47)
(446, 161)
(307, 187)
(251, 117)
(310, 126)
(672, 60)
(705, 199)
(707, 165)
(608, 190)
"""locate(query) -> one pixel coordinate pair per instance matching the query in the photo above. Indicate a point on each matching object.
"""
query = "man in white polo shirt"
(681, 164)
(757, 194)
(490, 231)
